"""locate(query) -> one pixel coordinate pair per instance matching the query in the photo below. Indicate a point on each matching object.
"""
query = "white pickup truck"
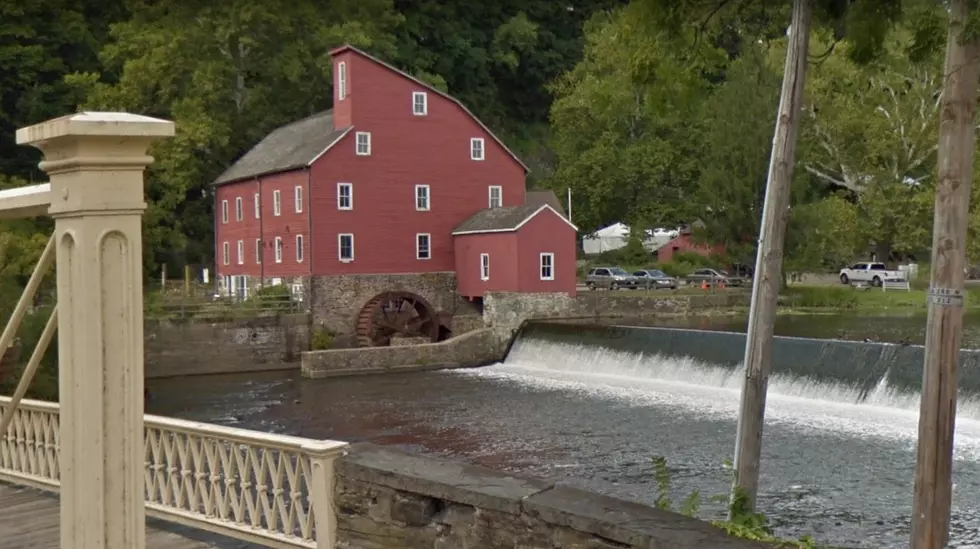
(873, 273)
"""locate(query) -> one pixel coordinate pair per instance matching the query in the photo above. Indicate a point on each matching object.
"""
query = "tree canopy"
(653, 112)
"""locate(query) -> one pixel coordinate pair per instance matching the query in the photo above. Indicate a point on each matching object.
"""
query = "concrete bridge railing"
(269, 489)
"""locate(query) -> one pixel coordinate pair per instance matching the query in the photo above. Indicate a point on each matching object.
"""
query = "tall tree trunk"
(937, 412)
(883, 251)
(768, 263)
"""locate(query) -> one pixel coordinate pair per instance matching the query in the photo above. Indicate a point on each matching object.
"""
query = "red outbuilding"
(529, 248)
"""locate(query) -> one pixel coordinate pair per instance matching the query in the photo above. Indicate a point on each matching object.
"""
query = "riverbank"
(810, 299)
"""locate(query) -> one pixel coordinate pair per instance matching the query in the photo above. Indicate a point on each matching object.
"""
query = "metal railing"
(221, 307)
(269, 489)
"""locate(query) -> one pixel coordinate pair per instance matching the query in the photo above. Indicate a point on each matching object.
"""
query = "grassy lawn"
(861, 299)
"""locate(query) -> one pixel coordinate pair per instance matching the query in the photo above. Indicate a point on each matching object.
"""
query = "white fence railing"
(269, 489)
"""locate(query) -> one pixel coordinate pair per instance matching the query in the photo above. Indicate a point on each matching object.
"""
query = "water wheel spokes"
(395, 313)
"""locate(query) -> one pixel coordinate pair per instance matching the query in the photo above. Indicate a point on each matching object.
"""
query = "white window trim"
(483, 149)
(425, 103)
(342, 80)
(550, 256)
(357, 143)
(484, 267)
(298, 198)
(278, 245)
(258, 251)
(500, 196)
(226, 252)
(428, 198)
(276, 203)
(418, 249)
(240, 248)
(239, 208)
(340, 238)
(299, 248)
(224, 212)
(350, 194)
(258, 206)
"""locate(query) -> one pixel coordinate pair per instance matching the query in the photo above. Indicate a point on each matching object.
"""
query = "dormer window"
(420, 103)
(476, 148)
(341, 80)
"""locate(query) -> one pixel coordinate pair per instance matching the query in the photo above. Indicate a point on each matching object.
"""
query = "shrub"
(744, 523)
(700, 261)
(828, 297)
(45, 383)
(678, 268)
(322, 339)
(272, 297)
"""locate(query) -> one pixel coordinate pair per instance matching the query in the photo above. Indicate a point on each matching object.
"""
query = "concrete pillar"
(95, 162)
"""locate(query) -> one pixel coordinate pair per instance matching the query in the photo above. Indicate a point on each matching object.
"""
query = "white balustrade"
(269, 489)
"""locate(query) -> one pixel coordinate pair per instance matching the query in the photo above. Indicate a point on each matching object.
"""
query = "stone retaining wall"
(388, 499)
(196, 347)
(470, 349)
(507, 311)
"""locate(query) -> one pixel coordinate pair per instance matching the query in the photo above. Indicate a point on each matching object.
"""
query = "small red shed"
(685, 242)
(528, 248)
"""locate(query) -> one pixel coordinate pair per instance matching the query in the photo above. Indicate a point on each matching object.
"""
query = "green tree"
(40, 42)
(498, 58)
(621, 122)
(736, 125)
(824, 235)
(227, 74)
(873, 130)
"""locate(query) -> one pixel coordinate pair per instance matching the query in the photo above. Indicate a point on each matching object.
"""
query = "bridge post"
(95, 162)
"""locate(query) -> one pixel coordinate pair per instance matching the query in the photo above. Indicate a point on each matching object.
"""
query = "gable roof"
(348, 47)
(545, 196)
(295, 145)
(505, 219)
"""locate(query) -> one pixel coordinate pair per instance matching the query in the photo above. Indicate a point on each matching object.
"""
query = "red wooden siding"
(342, 108)
(546, 232)
(503, 263)
(246, 230)
(686, 243)
(286, 226)
(515, 258)
(406, 150)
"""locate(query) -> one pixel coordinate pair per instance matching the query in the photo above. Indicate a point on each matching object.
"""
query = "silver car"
(652, 279)
(611, 278)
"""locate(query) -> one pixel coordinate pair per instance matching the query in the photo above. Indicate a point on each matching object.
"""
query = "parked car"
(654, 279)
(713, 277)
(612, 278)
(873, 273)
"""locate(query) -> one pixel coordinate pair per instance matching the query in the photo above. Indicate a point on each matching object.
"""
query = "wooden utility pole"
(769, 258)
(937, 411)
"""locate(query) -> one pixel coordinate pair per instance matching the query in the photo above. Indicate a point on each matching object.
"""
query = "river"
(838, 471)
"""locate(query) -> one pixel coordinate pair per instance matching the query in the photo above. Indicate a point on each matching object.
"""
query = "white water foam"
(708, 390)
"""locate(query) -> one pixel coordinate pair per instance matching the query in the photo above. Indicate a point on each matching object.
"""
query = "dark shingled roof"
(545, 196)
(289, 147)
(506, 218)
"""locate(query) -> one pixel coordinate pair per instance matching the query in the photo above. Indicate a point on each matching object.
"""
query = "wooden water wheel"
(393, 314)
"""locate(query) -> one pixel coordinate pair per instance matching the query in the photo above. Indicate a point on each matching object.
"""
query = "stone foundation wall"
(179, 348)
(336, 300)
(470, 349)
(506, 311)
(386, 498)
